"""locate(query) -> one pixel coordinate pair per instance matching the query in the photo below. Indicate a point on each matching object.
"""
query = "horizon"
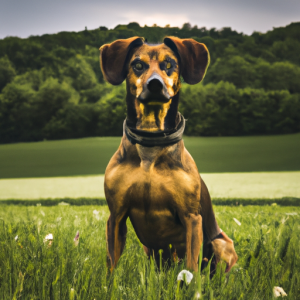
(36, 18)
(145, 25)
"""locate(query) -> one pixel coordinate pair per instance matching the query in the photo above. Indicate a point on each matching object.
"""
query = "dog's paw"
(223, 249)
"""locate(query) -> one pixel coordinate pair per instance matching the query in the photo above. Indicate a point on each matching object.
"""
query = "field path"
(221, 185)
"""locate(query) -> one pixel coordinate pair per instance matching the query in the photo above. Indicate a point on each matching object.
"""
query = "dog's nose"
(155, 84)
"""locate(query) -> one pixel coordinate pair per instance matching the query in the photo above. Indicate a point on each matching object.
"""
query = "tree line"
(51, 86)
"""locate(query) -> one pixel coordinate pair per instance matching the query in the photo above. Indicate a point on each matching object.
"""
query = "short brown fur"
(159, 188)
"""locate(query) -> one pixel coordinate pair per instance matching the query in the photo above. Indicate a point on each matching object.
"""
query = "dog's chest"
(152, 178)
(149, 156)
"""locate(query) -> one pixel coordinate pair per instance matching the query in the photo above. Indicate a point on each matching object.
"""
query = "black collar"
(151, 139)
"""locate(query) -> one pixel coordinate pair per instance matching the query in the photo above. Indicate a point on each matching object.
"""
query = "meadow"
(89, 156)
(267, 242)
(246, 185)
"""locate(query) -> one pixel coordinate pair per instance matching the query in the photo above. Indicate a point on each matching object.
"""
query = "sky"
(23, 18)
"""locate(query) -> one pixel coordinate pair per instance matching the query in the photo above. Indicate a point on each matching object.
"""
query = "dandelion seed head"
(185, 276)
(279, 292)
(48, 239)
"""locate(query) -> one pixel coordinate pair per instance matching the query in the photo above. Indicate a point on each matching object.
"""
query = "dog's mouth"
(154, 91)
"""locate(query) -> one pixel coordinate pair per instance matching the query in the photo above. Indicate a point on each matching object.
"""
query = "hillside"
(90, 156)
(51, 86)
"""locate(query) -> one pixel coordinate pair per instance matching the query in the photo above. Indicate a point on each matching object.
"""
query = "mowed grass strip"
(52, 187)
(266, 241)
(221, 185)
(90, 156)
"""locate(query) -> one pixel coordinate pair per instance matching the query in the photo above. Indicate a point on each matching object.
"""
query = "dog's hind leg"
(210, 225)
(116, 230)
(216, 241)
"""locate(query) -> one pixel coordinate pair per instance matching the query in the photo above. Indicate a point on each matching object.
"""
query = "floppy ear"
(113, 58)
(194, 58)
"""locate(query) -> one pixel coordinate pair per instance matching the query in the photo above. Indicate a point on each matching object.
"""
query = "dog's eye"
(138, 66)
(169, 65)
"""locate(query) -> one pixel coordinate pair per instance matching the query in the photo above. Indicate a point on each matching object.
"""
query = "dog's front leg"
(116, 230)
(194, 239)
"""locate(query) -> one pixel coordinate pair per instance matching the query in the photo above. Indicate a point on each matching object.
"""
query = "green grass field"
(220, 185)
(267, 243)
(90, 156)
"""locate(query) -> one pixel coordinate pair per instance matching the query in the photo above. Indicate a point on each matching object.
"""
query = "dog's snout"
(155, 85)
(154, 90)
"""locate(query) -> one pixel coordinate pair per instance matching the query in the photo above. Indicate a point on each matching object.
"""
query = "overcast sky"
(36, 17)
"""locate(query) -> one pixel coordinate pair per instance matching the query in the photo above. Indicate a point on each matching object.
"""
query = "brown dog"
(152, 179)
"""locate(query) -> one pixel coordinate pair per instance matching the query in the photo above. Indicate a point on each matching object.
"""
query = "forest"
(51, 86)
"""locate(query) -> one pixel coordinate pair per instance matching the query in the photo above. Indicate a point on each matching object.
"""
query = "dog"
(152, 179)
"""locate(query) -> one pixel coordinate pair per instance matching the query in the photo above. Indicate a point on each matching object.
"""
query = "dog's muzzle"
(154, 90)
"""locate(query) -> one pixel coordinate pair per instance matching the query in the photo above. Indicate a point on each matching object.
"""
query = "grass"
(89, 156)
(220, 185)
(267, 243)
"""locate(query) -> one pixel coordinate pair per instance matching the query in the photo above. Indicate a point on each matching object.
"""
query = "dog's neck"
(154, 117)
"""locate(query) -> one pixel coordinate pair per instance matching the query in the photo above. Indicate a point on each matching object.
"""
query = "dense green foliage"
(51, 86)
(91, 155)
(267, 243)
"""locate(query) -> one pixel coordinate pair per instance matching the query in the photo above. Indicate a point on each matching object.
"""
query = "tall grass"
(267, 243)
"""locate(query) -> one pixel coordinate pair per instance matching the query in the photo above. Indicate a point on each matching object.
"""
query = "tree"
(7, 72)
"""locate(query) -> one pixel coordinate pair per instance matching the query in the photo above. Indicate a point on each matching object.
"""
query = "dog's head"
(152, 73)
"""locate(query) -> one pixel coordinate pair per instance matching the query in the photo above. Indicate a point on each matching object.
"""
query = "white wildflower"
(197, 295)
(237, 221)
(279, 292)
(16, 237)
(48, 239)
(76, 239)
(185, 276)
(96, 214)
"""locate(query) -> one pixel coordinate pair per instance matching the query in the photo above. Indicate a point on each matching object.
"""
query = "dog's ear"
(194, 58)
(113, 58)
